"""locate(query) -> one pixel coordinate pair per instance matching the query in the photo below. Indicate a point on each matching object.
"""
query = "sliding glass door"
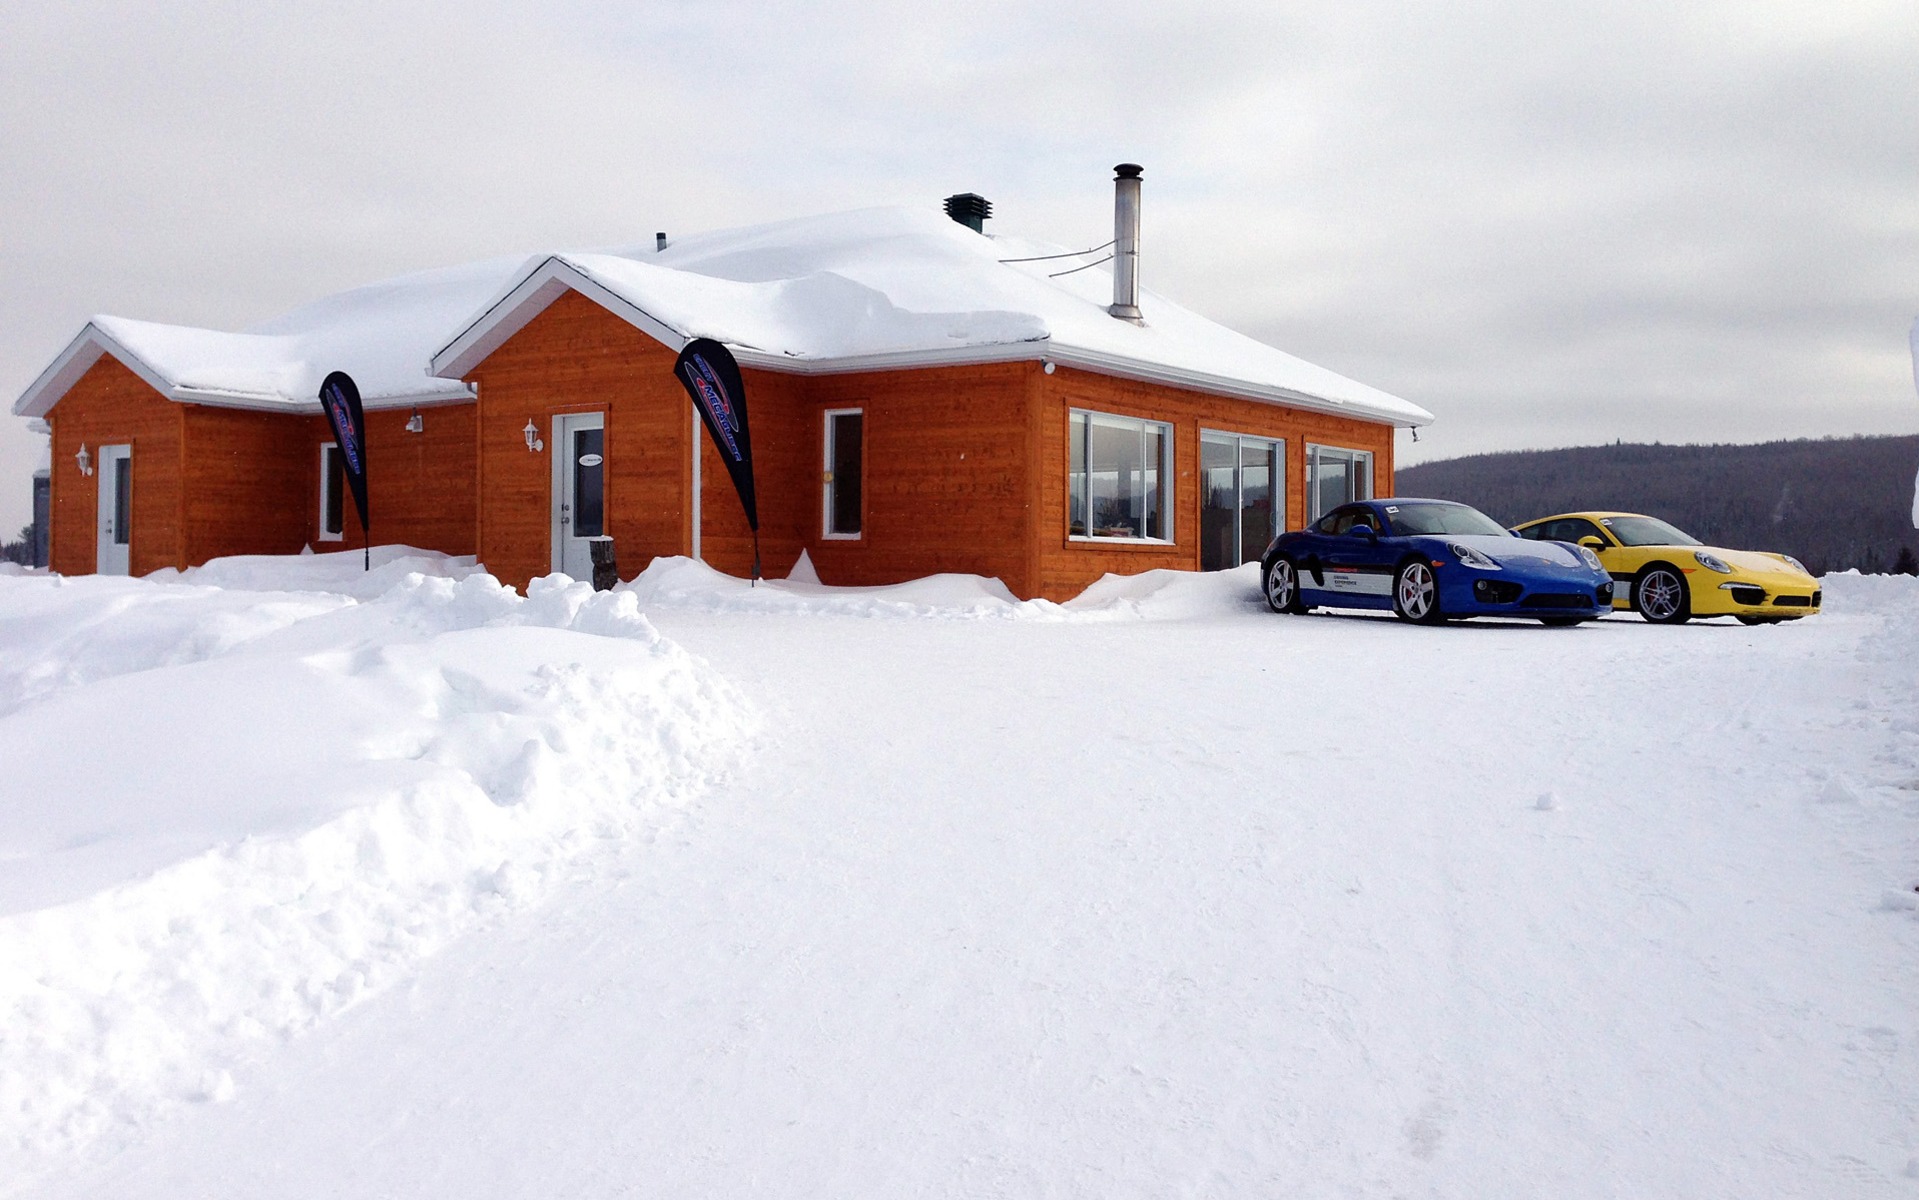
(1242, 497)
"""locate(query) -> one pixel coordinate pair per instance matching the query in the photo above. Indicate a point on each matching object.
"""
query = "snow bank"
(1172, 595)
(230, 815)
(341, 572)
(686, 584)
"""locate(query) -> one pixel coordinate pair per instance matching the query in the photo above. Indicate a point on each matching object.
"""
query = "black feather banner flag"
(711, 377)
(341, 400)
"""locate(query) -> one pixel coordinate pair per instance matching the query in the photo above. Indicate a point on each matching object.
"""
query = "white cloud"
(1547, 223)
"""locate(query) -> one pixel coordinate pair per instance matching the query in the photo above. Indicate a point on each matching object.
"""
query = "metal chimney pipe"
(1126, 243)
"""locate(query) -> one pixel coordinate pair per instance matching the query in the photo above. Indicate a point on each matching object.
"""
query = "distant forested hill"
(1832, 504)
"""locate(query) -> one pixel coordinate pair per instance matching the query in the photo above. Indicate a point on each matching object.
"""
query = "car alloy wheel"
(1416, 593)
(1660, 596)
(1282, 587)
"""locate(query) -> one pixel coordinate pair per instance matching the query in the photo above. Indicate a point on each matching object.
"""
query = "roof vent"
(1126, 243)
(969, 210)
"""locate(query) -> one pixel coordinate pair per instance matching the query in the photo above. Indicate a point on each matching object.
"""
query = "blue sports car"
(1431, 561)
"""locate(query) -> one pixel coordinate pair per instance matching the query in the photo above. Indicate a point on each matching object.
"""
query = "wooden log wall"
(1067, 565)
(419, 485)
(108, 406)
(577, 357)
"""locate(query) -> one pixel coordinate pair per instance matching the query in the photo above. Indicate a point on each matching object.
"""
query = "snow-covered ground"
(316, 885)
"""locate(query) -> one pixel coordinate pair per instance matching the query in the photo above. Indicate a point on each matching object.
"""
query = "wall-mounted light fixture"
(1046, 365)
(532, 432)
(416, 423)
(84, 460)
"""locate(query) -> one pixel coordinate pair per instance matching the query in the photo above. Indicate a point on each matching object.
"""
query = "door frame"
(109, 556)
(562, 478)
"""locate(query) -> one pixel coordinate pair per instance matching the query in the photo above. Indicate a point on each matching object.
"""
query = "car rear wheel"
(1282, 587)
(1659, 595)
(1416, 594)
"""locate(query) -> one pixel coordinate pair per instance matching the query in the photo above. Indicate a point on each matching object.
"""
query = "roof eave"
(545, 282)
(74, 362)
(1090, 360)
(537, 288)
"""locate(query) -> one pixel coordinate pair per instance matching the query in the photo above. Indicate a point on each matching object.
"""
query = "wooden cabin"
(921, 400)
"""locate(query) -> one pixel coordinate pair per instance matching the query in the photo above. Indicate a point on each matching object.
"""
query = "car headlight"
(1796, 564)
(1712, 564)
(1592, 560)
(1469, 557)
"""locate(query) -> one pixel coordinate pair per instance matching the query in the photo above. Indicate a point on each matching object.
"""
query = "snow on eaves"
(873, 289)
(381, 334)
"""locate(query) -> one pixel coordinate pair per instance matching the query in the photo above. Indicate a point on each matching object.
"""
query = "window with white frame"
(1242, 497)
(332, 493)
(1118, 468)
(1335, 477)
(845, 463)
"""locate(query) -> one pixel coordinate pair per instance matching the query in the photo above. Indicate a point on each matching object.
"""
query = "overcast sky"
(1550, 224)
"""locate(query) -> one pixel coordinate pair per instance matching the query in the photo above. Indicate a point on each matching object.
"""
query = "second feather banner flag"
(707, 370)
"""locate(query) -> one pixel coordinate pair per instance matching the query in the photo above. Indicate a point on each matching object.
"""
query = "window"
(1565, 529)
(1440, 519)
(1242, 497)
(123, 500)
(588, 471)
(1646, 531)
(1342, 520)
(845, 441)
(332, 488)
(1335, 477)
(1116, 465)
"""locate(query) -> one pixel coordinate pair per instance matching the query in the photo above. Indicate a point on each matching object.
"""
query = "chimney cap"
(969, 209)
(1128, 170)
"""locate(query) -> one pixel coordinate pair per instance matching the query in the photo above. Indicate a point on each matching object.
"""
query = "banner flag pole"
(710, 376)
(340, 399)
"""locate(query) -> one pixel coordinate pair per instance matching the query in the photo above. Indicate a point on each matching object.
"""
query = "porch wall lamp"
(416, 423)
(84, 460)
(533, 442)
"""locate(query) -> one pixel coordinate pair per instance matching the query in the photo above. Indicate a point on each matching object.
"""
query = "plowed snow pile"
(313, 885)
(227, 815)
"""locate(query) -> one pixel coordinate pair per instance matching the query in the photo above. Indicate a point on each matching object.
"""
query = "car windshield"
(1646, 531)
(1411, 519)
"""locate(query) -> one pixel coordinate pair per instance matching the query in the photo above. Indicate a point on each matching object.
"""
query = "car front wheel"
(1282, 587)
(1659, 595)
(1416, 593)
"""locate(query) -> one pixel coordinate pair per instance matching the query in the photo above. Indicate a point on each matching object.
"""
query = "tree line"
(1834, 504)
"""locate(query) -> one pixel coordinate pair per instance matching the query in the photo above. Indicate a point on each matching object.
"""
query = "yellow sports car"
(1667, 577)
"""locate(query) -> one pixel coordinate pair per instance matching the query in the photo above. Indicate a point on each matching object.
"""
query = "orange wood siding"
(110, 405)
(244, 487)
(784, 454)
(1067, 566)
(577, 357)
(946, 474)
(419, 485)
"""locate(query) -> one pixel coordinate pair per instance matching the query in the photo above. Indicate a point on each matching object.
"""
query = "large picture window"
(1242, 497)
(332, 492)
(845, 438)
(1118, 468)
(1335, 477)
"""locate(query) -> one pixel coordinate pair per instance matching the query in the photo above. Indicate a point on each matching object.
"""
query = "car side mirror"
(1594, 544)
(1364, 531)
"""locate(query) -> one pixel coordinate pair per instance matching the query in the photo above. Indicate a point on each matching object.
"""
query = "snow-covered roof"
(874, 289)
(381, 334)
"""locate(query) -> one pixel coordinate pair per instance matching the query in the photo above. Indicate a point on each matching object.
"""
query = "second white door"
(579, 490)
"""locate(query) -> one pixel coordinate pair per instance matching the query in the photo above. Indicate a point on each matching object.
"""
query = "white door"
(115, 527)
(579, 490)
